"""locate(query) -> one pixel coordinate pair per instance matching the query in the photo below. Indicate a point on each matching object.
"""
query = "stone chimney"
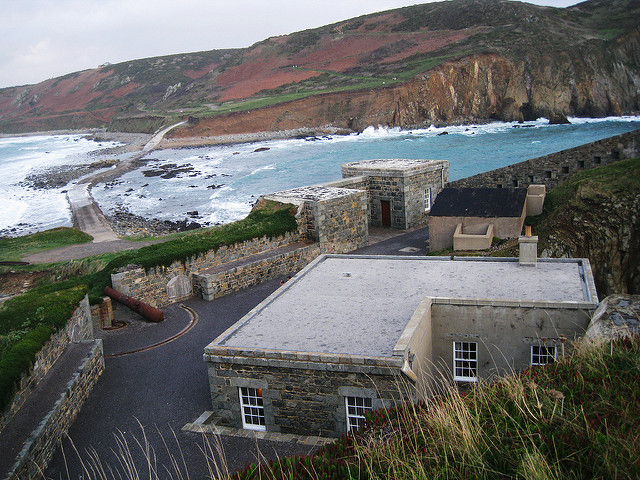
(528, 248)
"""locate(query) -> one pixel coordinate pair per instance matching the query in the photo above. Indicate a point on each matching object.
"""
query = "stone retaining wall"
(551, 170)
(44, 441)
(210, 285)
(151, 287)
(79, 327)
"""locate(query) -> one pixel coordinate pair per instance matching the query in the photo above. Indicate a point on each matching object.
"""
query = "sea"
(219, 184)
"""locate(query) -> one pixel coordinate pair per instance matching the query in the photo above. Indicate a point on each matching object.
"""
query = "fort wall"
(78, 328)
(553, 169)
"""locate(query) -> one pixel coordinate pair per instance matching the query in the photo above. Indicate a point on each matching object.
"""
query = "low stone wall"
(551, 170)
(44, 441)
(154, 287)
(228, 278)
(79, 327)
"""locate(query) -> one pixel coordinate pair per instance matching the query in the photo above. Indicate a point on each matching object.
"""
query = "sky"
(44, 39)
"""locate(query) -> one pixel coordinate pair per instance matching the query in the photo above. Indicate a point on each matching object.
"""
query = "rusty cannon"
(152, 314)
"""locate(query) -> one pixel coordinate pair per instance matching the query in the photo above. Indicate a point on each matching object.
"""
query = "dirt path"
(75, 252)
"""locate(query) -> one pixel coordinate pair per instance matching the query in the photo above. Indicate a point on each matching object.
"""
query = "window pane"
(357, 407)
(251, 406)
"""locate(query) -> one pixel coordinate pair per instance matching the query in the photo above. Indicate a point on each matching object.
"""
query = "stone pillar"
(102, 314)
(528, 250)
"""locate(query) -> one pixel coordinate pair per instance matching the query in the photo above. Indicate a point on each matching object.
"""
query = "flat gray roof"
(314, 193)
(360, 305)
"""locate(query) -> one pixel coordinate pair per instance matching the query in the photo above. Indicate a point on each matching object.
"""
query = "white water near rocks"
(219, 184)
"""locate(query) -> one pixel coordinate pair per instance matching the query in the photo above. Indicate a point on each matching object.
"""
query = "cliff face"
(600, 221)
(455, 61)
(592, 83)
(589, 82)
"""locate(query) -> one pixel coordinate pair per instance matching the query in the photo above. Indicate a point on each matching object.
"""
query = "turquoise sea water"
(221, 183)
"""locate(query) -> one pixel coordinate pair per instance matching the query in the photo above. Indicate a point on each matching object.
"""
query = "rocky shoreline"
(127, 224)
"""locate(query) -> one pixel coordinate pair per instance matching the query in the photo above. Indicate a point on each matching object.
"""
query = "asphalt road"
(153, 393)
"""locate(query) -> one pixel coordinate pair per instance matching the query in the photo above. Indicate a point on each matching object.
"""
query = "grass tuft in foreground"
(578, 418)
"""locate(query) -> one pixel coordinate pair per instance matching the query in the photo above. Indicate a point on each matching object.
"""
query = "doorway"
(385, 211)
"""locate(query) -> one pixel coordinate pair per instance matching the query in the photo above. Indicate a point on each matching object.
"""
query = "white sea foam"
(30, 210)
(262, 169)
(227, 180)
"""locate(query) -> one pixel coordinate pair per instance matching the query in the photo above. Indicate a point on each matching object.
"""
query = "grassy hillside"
(594, 214)
(369, 52)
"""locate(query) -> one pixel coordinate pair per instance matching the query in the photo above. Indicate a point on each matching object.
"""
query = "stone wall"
(303, 393)
(402, 184)
(228, 278)
(44, 441)
(332, 214)
(342, 224)
(151, 287)
(551, 170)
(79, 327)
(414, 193)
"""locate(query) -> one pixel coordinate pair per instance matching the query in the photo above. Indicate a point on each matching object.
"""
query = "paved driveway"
(157, 391)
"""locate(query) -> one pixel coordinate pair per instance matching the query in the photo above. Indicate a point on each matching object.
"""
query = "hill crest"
(527, 60)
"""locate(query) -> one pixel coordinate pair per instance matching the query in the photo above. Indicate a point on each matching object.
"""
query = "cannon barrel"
(152, 314)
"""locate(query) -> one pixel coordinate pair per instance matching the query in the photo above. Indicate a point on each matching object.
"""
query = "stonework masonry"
(551, 170)
(400, 185)
(151, 287)
(227, 278)
(44, 441)
(303, 393)
(333, 216)
(78, 328)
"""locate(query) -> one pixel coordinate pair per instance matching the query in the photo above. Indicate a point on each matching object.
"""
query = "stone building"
(460, 214)
(401, 192)
(353, 333)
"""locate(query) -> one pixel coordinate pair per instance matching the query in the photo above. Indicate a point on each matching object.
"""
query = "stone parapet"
(227, 278)
(44, 441)
(552, 170)
(152, 286)
(78, 328)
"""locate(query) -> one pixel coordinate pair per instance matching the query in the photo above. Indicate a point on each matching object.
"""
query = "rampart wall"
(78, 328)
(44, 441)
(153, 286)
(229, 278)
(553, 169)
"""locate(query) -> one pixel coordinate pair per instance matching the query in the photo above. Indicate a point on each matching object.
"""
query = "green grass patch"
(26, 324)
(13, 249)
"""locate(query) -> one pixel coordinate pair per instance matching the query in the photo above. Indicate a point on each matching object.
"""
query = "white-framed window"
(543, 354)
(427, 200)
(252, 408)
(356, 409)
(465, 361)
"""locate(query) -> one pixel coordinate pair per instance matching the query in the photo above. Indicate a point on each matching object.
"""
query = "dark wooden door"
(385, 210)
